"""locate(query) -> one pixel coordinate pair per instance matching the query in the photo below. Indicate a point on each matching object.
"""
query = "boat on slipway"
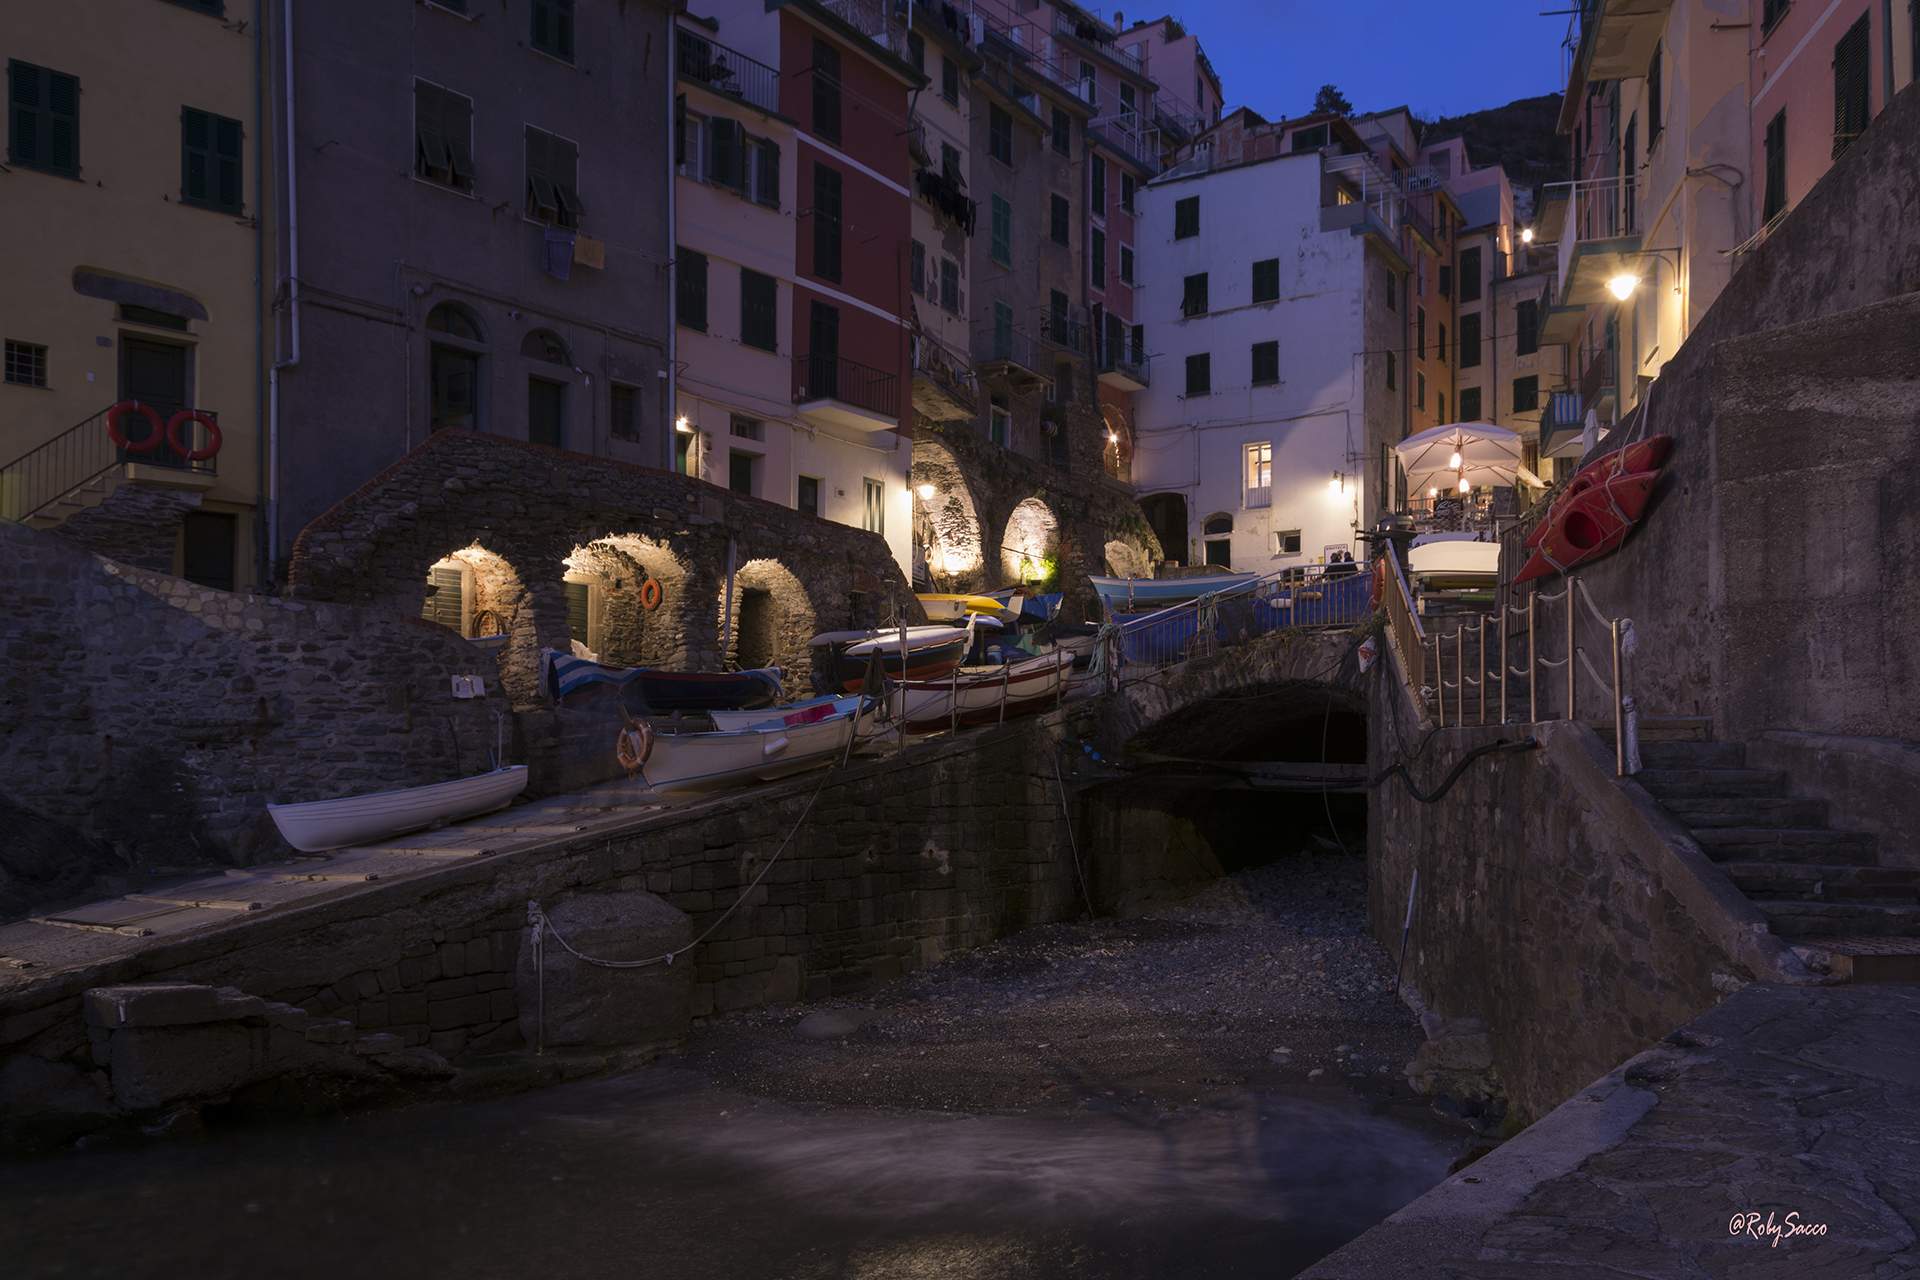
(574, 682)
(319, 825)
(1123, 594)
(910, 653)
(981, 695)
(769, 749)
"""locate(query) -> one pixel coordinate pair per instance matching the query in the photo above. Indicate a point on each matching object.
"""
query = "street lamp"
(1623, 285)
(683, 426)
(926, 493)
(1526, 235)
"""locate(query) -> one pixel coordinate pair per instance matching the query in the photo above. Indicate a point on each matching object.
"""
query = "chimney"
(1118, 19)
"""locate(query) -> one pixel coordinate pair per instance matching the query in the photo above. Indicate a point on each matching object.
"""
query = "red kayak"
(1648, 455)
(1589, 525)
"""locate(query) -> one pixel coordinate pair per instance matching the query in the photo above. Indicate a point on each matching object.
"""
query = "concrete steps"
(1820, 888)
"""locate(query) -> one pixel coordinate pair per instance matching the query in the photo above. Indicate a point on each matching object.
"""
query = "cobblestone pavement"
(1265, 981)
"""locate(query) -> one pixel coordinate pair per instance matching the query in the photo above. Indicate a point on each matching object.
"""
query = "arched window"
(455, 321)
(544, 344)
(453, 373)
(1219, 539)
(1218, 525)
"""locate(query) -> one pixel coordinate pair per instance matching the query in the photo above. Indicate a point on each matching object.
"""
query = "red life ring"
(633, 747)
(1377, 589)
(650, 594)
(121, 410)
(204, 419)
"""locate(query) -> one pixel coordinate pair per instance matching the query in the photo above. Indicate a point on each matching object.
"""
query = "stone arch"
(946, 521)
(773, 618)
(1030, 547)
(457, 320)
(474, 592)
(623, 631)
(545, 344)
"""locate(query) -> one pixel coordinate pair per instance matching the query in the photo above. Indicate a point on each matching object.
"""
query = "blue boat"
(1122, 594)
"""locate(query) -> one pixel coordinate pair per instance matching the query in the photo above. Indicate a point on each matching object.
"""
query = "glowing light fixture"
(1622, 286)
(1526, 235)
(1433, 493)
(682, 425)
(927, 492)
(1453, 463)
(1334, 485)
(1465, 485)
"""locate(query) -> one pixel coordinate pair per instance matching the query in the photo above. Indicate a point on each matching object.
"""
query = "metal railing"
(824, 377)
(1324, 597)
(947, 368)
(1097, 35)
(1121, 133)
(1597, 209)
(1134, 366)
(1597, 377)
(727, 70)
(35, 482)
(1015, 347)
(1378, 191)
(1452, 512)
(1403, 624)
(1259, 497)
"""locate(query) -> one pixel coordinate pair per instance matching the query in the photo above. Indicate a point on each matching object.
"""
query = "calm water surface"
(657, 1174)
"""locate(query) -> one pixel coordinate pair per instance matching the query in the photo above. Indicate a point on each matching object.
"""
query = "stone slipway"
(1783, 1106)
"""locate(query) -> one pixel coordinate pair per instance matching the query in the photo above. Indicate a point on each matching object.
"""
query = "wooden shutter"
(541, 201)
(728, 170)
(43, 119)
(553, 27)
(759, 310)
(692, 294)
(769, 180)
(1850, 93)
(196, 155)
(429, 144)
(564, 159)
(579, 596)
(444, 603)
(826, 222)
(226, 163)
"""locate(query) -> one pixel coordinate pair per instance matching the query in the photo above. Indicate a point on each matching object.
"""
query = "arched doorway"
(1166, 515)
(772, 619)
(947, 551)
(1030, 548)
(627, 622)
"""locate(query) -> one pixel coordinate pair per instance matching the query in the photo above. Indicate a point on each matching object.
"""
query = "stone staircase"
(1822, 890)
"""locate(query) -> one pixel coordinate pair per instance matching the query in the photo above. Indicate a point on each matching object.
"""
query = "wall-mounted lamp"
(683, 426)
(1526, 235)
(1623, 285)
(926, 492)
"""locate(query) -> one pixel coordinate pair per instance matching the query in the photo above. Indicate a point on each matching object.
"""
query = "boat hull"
(575, 682)
(921, 662)
(1594, 523)
(1646, 455)
(1121, 593)
(811, 711)
(319, 825)
(709, 761)
(976, 695)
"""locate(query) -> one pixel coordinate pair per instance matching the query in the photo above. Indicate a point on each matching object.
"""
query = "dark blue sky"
(1438, 58)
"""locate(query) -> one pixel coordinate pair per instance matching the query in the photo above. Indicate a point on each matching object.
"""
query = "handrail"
(726, 70)
(829, 377)
(1148, 642)
(74, 459)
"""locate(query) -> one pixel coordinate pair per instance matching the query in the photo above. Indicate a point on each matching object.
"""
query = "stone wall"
(158, 718)
(530, 515)
(135, 524)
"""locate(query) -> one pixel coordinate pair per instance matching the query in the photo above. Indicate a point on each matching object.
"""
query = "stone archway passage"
(773, 618)
(625, 633)
(1030, 548)
(946, 520)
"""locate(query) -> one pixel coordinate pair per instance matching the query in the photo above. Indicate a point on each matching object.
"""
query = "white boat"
(320, 825)
(981, 695)
(766, 750)
(798, 713)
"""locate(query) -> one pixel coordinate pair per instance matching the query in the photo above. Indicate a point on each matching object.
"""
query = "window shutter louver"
(226, 155)
(680, 129)
(195, 155)
(727, 167)
(63, 123)
(26, 109)
(456, 123)
(43, 119)
(565, 158)
(769, 193)
(539, 185)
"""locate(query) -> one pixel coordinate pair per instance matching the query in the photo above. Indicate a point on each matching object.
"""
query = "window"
(826, 92)
(1655, 112)
(950, 167)
(43, 119)
(1419, 275)
(210, 161)
(1129, 105)
(1002, 331)
(1097, 257)
(623, 412)
(1001, 246)
(1186, 218)
(1310, 139)
(546, 401)
(691, 294)
(1126, 264)
(158, 319)
(1774, 201)
(217, 9)
(1850, 87)
(950, 285)
(807, 495)
(1057, 318)
(1000, 422)
(1446, 281)
(1526, 393)
(1062, 391)
(726, 165)
(917, 50)
(26, 364)
(1089, 85)
(1219, 539)
(553, 172)
(823, 351)
(1127, 188)
(1419, 390)
(740, 472)
(1441, 349)
(1420, 332)
(949, 79)
(1771, 12)
(1470, 340)
(1200, 374)
(917, 269)
(1526, 326)
(1390, 371)
(1393, 291)
(1000, 134)
(442, 137)
(579, 611)
(1062, 132)
(1440, 414)
(759, 311)
(1193, 297)
(1062, 220)
(1099, 181)
(1470, 404)
(743, 428)
(1266, 363)
(553, 28)
(1260, 465)
(686, 138)
(1266, 280)
(1286, 542)
(1470, 274)
(1139, 344)
(873, 515)
(453, 383)
(826, 222)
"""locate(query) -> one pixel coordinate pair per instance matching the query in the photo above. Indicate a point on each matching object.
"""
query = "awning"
(1477, 452)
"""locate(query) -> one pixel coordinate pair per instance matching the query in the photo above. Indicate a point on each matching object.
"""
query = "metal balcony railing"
(1598, 377)
(824, 377)
(1260, 497)
(727, 70)
(1597, 209)
(1099, 36)
(948, 369)
(1128, 363)
(35, 482)
(1121, 132)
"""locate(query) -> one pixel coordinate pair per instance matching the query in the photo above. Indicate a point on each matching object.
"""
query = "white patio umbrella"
(1477, 452)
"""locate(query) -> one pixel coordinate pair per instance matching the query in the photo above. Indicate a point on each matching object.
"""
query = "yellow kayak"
(955, 608)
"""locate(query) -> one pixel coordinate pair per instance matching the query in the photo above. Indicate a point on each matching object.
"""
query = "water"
(658, 1174)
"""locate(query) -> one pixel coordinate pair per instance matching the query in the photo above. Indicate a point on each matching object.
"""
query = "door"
(208, 541)
(545, 401)
(454, 375)
(823, 346)
(155, 374)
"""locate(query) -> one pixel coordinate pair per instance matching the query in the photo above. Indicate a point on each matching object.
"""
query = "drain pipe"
(293, 300)
(726, 618)
(262, 566)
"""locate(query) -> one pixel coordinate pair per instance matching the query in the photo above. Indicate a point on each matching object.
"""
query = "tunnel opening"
(759, 629)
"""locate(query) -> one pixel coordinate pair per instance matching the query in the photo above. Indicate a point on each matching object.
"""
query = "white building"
(1264, 286)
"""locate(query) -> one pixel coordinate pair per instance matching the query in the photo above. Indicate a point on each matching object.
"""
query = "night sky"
(1440, 59)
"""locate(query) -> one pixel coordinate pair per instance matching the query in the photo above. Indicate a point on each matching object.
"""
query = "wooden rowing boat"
(677, 762)
(319, 825)
(981, 695)
(927, 654)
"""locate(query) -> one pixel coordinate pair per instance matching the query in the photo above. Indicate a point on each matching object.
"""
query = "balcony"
(944, 386)
(726, 71)
(1125, 370)
(1121, 133)
(1259, 498)
(1598, 381)
(1098, 37)
(77, 468)
(1617, 39)
(1014, 359)
(947, 197)
(1599, 239)
(836, 391)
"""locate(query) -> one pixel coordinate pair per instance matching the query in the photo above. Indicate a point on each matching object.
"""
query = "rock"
(155, 1004)
(590, 1005)
(1472, 1051)
(829, 1024)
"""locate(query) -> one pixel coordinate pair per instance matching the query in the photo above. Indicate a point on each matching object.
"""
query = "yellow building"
(132, 198)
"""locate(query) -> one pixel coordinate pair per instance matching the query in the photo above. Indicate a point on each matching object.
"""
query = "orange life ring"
(650, 594)
(121, 410)
(1377, 589)
(185, 416)
(633, 747)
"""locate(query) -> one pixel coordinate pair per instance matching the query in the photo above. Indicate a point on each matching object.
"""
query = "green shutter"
(759, 310)
(444, 604)
(1002, 231)
(196, 155)
(43, 119)
(769, 181)
(727, 169)
(210, 161)
(692, 293)
(577, 597)
(553, 27)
